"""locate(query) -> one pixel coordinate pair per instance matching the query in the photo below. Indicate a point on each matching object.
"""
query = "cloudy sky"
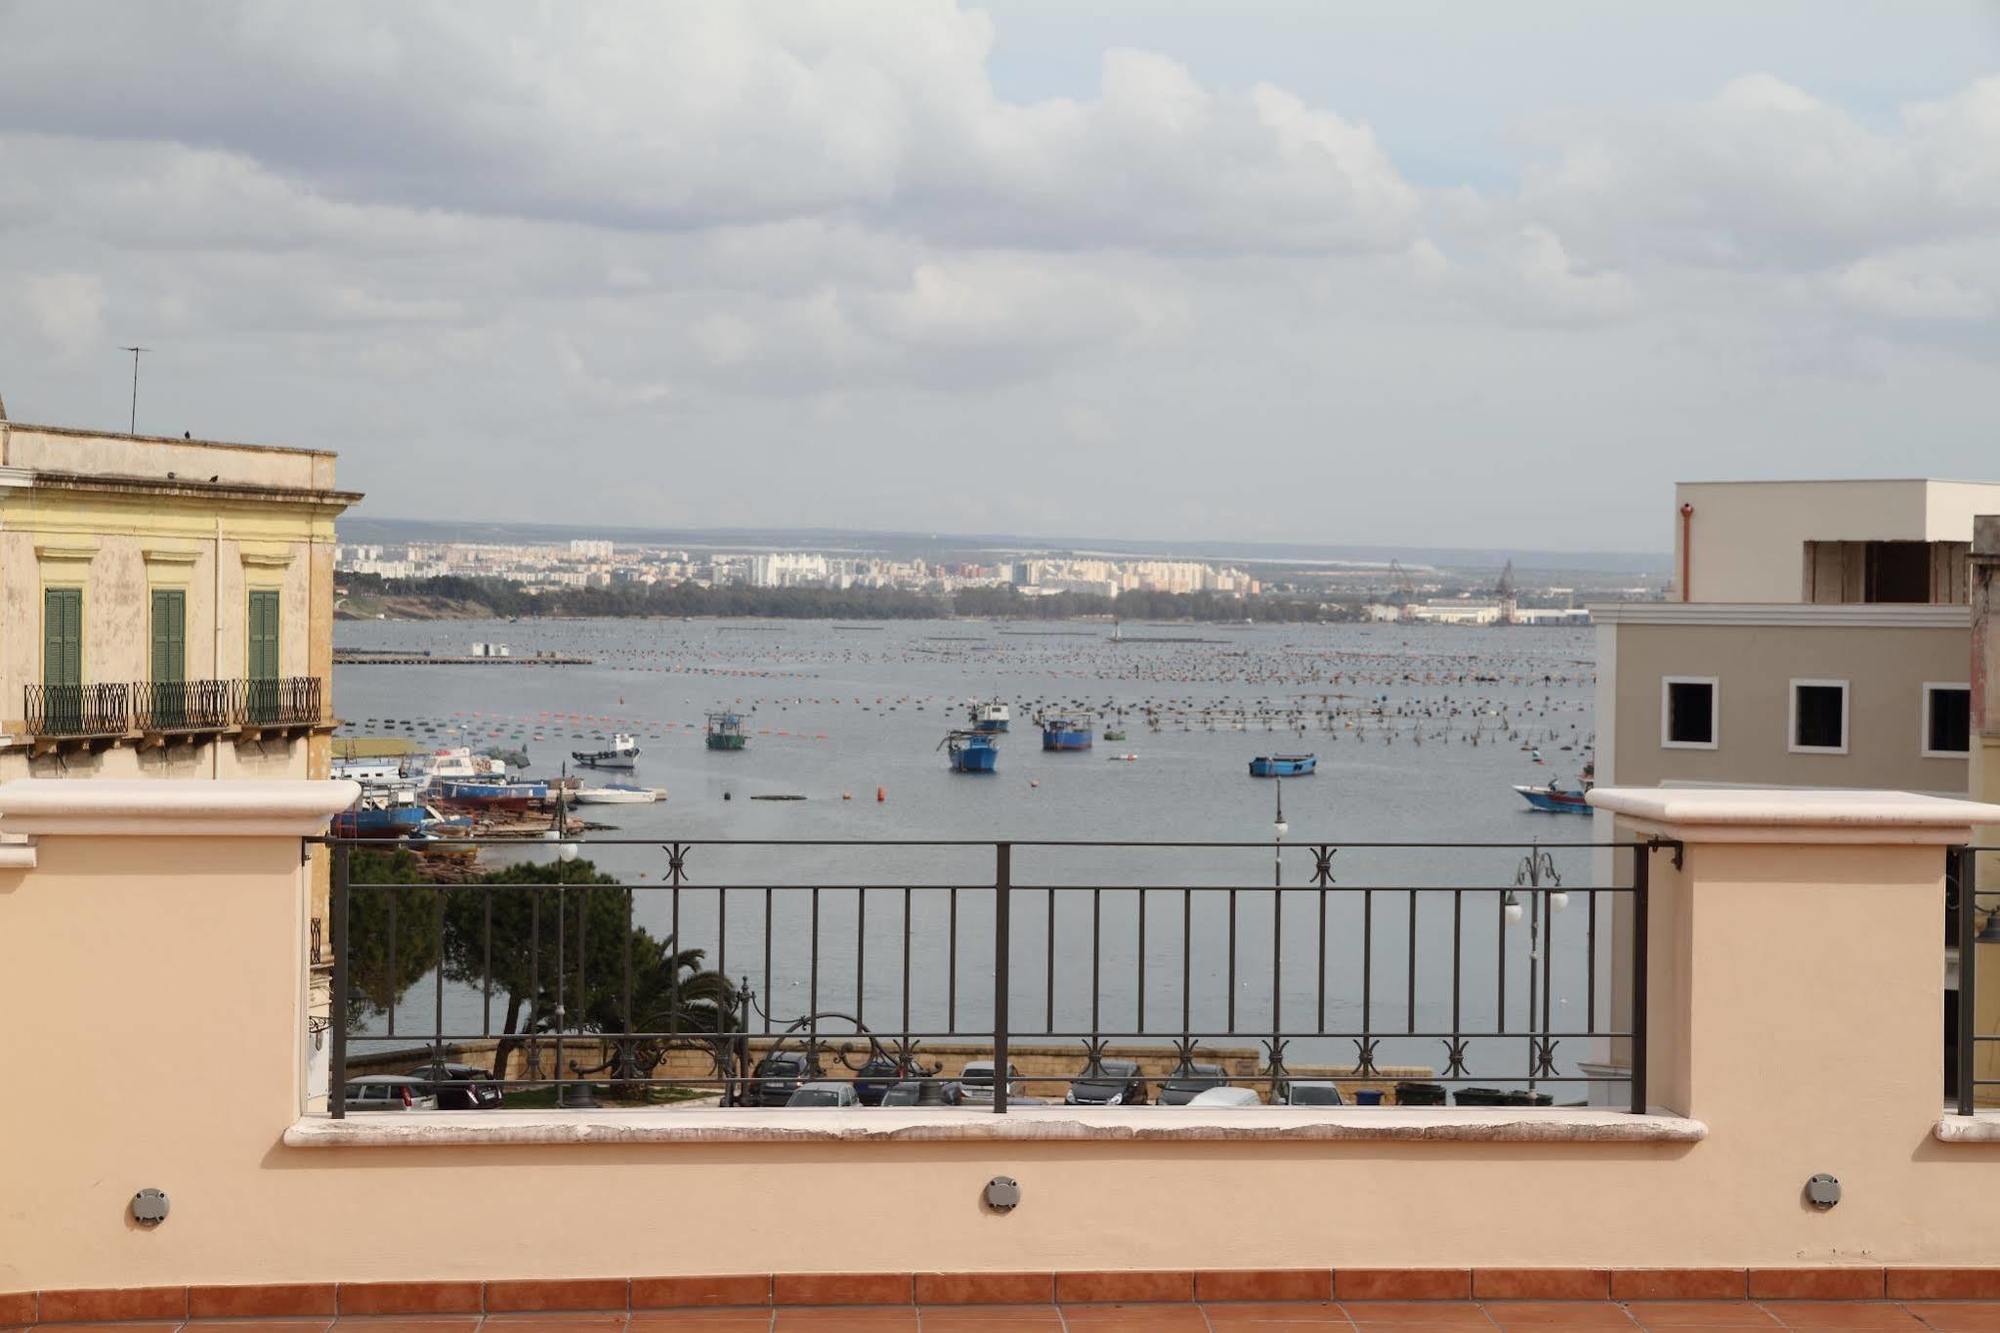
(1385, 271)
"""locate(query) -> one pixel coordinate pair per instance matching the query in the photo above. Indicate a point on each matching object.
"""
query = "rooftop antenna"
(133, 427)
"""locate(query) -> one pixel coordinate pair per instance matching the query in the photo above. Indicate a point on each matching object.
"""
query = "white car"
(1212, 1097)
(827, 1092)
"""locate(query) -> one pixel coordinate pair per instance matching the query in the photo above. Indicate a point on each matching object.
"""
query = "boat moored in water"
(1554, 800)
(1067, 733)
(992, 716)
(972, 751)
(617, 793)
(486, 794)
(624, 753)
(1283, 765)
(725, 732)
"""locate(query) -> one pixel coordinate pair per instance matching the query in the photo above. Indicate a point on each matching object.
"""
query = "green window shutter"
(264, 635)
(169, 635)
(62, 636)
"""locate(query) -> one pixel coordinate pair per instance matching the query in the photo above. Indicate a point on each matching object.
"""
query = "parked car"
(1184, 1088)
(1224, 1097)
(925, 1091)
(902, 1094)
(876, 1078)
(1311, 1092)
(975, 1083)
(825, 1092)
(1116, 1083)
(389, 1092)
(459, 1087)
(777, 1076)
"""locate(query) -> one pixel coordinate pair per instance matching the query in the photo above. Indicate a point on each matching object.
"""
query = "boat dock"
(391, 657)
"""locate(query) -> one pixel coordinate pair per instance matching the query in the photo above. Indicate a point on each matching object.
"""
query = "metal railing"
(59, 711)
(1968, 924)
(1505, 975)
(77, 710)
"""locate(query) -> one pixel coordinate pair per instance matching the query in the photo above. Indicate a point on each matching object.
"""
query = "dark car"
(925, 1091)
(875, 1078)
(1184, 1088)
(1306, 1092)
(778, 1076)
(1114, 1083)
(460, 1087)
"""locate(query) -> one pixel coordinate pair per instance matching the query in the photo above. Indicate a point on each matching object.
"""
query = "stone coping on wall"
(1979, 1127)
(149, 807)
(428, 1129)
(1794, 815)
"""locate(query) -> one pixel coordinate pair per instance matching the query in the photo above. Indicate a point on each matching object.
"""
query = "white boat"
(461, 762)
(617, 793)
(624, 753)
(988, 716)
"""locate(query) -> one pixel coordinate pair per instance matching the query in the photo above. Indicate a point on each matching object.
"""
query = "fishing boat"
(1114, 735)
(489, 794)
(624, 753)
(617, 793)
(1554, 800)
(972, 751)
(725, 731)
(988, 716)
(384, 813)
(1283, 765)
(1066, 733)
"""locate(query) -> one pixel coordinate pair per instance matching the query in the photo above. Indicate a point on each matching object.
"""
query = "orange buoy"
(881, 794)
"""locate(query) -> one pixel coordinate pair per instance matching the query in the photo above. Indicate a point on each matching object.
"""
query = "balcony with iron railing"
(102, 714)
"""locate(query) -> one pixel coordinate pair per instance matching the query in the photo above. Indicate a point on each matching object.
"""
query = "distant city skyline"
(1361, 271)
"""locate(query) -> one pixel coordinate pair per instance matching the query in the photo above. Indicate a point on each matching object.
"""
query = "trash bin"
(1522, 1097)
(1419, 1094)
(1368, 1096)
(1480, 1097)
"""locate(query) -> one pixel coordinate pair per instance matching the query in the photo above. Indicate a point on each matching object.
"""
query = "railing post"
(1003, 883)
(336, 1093)
(1642, 868)
(1968, 953)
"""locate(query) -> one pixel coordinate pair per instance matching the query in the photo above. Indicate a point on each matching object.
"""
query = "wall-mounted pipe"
(1687, 551)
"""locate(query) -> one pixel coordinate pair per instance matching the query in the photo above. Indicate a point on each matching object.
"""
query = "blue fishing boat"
(972, 751)
(1553, 800)
(1066, 733)
(370, 818)
(988, 717)
(1283, 765)
(486, 794)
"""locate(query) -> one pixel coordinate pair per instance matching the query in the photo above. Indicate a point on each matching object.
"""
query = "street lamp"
(1536, 869)
(1279, 828)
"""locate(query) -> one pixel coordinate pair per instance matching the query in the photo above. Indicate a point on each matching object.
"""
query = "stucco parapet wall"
(427, 1129)
(147, 808)
(1979, 1127)
(1803, 614)
(1793, 815)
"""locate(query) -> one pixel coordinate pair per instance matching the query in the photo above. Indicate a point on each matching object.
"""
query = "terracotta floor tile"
(1700, 1314)
(846, 1319)
(405, 1323)
(1230, 1316)
(123, 1326)
(1166, 1317)
(301, 1325)
(1417, 1314)
(559, 1321)
(1958, 1316)
(713, 1320)
(989, 1318)
(1843, 1315)
(1558, 1314)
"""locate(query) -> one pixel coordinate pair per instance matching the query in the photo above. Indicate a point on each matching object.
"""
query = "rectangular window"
(1688, 712)
(62, 659)
(169, 657)
(1947, 720)
(263, 655)
(1818, 721)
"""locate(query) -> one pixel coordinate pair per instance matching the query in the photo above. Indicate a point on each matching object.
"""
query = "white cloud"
(68, 310)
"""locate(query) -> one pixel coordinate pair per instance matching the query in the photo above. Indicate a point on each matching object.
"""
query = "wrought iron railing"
(61, 711)
(1479, 965)
(1972, 918)
(78, 710)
